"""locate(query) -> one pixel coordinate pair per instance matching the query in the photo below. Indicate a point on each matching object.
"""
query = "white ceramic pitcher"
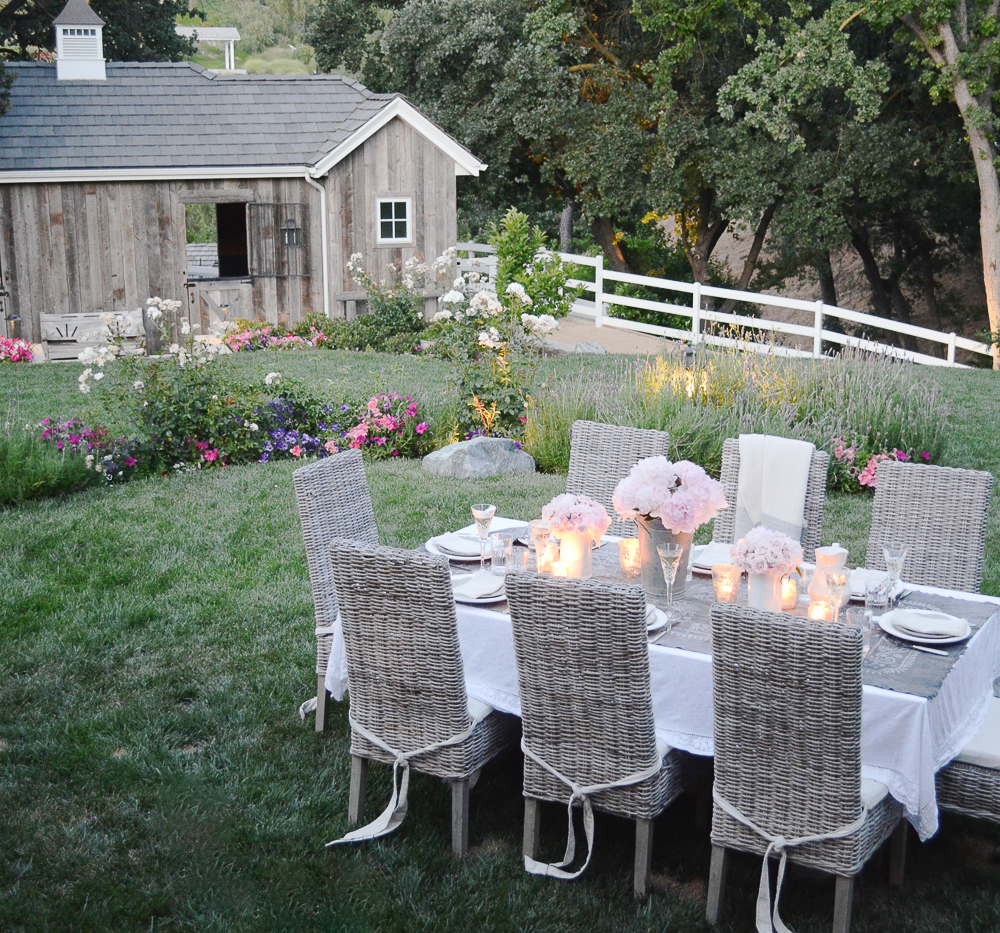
(829, 558)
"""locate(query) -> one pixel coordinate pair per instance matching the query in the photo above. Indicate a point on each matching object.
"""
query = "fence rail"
(480, 257)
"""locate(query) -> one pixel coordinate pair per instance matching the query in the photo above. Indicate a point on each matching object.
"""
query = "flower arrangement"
(762, 550)
(577, 515)
(15, 350)
(682, 495)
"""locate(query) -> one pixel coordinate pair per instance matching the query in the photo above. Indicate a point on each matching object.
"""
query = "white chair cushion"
(984, 748)
(662, 748)
(479, 710)
(872, 793)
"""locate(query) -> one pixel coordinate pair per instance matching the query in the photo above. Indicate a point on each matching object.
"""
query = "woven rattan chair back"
(787, 706)
(940, 514)
(602, 454)
(583, 672)
(404, 667)
(724, 529)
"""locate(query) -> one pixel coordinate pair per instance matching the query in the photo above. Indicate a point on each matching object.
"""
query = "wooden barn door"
(212, 300)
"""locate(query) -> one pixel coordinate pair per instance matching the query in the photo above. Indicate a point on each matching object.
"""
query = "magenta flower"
(211, 455)
(203, 445)
(130, 461)
(420, 428)
(926, 456)
(900, 455)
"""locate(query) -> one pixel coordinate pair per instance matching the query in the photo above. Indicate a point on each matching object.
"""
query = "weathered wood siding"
(395, 162)
(83, 247)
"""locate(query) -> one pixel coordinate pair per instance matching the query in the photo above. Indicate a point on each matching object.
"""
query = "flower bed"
(15, 350)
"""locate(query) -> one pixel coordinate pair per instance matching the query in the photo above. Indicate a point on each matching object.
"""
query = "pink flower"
(420, 428)
(296, 451)
(330, 447)
(926, 456)
(380, 441)
(395, 453)
(130, 461)
(211, 455)
(900, 455)
(203, 445)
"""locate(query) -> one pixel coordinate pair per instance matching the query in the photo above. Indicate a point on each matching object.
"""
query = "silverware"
(943, 654)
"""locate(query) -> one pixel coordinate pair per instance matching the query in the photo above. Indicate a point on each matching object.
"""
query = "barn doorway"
(217, 246)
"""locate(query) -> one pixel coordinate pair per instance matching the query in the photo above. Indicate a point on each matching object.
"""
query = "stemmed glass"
(483, 514)
(670, 558)
(836, 583)
(894, 554)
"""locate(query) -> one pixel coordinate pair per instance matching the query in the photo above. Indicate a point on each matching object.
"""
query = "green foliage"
(200, 223)
(31, 468)
(516, 242)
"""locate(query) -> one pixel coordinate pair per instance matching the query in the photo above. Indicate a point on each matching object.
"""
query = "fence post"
(951, 349)
(696, 313)
(599, 291)
(818, 331)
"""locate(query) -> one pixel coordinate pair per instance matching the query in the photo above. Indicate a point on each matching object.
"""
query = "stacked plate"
(925, 626)
(456, 546)
(478, 589)
(655, 618)
(707, 556)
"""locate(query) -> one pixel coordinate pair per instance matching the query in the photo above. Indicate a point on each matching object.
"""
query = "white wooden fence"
(479, 257)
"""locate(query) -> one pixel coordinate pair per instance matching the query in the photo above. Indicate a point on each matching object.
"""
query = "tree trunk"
(750, 263)
(886, 296)
(604, 232)
(566, 226)
(827, 284)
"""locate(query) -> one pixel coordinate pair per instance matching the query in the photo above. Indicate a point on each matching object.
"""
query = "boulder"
(479, 458)
(591, 346)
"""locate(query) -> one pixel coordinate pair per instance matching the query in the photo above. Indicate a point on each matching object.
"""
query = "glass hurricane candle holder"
(726, 580)
(628, 557)
(546, 554)
(560, 568)
(820, 611)
(789, 593)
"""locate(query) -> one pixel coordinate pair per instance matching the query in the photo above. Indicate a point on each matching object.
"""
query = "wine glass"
(894, 554)
(483, 514)
(670, 558)
(836, 583)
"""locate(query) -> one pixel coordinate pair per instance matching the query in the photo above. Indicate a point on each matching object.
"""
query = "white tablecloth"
(905, 739)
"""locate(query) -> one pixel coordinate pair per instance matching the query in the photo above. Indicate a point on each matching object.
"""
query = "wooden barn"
(100, 163)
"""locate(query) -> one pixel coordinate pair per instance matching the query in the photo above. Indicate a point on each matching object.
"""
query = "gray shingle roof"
(177, 115)
(77, 13)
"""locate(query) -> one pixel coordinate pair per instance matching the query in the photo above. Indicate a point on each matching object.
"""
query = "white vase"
(764, 591)
(574, 551)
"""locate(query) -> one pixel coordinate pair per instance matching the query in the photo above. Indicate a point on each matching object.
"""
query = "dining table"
(918, 709)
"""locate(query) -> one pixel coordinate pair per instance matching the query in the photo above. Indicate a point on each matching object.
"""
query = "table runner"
(906, 737)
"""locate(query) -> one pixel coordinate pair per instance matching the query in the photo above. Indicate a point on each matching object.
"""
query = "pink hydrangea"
(577, 514)
(762, 550)
(682, 495)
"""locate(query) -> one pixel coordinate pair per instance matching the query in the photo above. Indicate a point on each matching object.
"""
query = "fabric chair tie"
(769, 921)
(393, 815)
(581, 793)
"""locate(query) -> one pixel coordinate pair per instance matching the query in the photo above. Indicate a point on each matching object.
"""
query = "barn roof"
(179, 120)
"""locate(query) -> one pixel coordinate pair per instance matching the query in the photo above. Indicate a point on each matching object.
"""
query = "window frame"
(394, 241)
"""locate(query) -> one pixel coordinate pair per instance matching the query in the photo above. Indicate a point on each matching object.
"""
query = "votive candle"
(546, 554)
(789, 594)
(628, 556)
(726, 580)
(560, 568)
(819, 610)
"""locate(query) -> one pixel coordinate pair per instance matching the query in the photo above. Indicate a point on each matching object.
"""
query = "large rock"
(479, 458)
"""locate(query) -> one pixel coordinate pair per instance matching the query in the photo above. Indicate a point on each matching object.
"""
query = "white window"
(393, 220)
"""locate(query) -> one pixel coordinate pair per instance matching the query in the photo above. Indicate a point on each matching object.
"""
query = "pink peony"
(762, 550)
(681, 494)
(577, 514)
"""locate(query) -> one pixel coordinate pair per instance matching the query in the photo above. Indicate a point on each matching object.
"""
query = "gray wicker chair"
(405, 675)
(587, 708)
(333, 501)
(602, 454)
(971, 783)
(939, 513)
(724, 529)
(787, 706)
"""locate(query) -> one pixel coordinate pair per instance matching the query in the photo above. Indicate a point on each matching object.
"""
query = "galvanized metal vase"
(651, 533)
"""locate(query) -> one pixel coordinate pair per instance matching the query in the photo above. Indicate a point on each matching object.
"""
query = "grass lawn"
(156, 641)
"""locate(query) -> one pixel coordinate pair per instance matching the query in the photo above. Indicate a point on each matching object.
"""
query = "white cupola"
(79, 43)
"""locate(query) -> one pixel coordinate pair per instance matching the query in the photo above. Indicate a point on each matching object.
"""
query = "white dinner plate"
(431, 547)
(459, 578)
(885, 623)
(659, 619)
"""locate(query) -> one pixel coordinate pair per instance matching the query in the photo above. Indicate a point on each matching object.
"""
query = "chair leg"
(532, 826)
(717, 883)
(643, 856)
(460, 818)
(359, 783)
(842, 904)
(897, 853)
(322, 704)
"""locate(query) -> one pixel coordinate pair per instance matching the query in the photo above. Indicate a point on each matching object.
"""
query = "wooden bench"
(64, 336)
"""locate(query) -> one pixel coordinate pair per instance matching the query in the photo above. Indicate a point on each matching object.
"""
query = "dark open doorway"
(231, 224)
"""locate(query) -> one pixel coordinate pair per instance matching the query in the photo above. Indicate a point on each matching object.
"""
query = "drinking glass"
(836, 583)
(541, 530)
(876, 597)
(520, 559)
(670, 558)
(861, 619)
(894, 554)
(501, 545)
(483, 514)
